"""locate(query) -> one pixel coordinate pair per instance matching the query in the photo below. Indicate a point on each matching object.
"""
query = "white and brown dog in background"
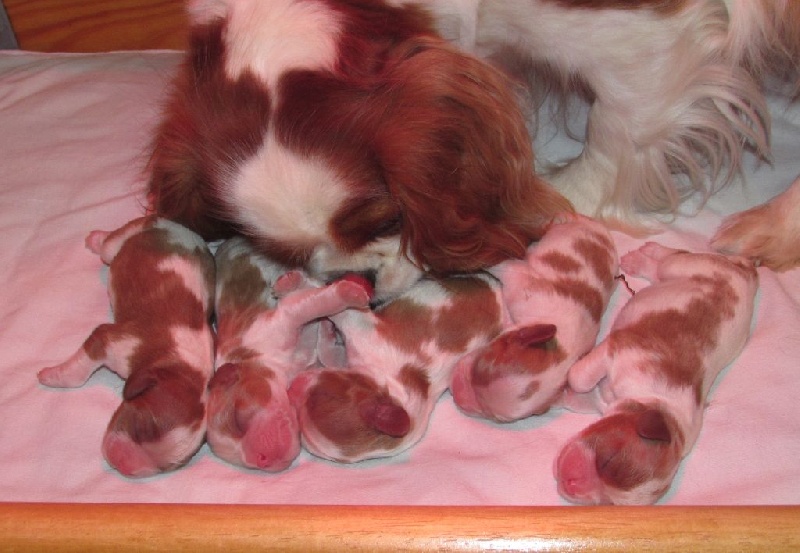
(381, 137)
(676, 93)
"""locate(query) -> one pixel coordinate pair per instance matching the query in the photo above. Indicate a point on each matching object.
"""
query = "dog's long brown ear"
(210, 122)
(457, 156)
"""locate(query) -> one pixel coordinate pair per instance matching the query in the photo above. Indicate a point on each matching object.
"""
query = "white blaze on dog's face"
(313, 195)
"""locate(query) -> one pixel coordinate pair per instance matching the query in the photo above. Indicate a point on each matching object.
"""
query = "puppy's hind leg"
(106, 346)
(107, 244)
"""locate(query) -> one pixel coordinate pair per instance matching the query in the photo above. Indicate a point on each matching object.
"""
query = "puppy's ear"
(383, 414)
(456, 155)
(651, 425)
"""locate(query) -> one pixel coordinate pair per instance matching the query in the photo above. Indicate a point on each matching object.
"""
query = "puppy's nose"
(367, 278)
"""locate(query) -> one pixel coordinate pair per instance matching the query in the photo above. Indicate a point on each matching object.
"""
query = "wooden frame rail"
(197, 528)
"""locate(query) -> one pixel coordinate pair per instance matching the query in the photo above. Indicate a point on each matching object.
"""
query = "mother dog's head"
(346, 135)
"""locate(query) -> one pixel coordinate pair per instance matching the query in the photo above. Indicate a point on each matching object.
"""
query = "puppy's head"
(347, 417)
(377, 147)
(250, 420)
(627, 458)
(161, 422)
(518, 374)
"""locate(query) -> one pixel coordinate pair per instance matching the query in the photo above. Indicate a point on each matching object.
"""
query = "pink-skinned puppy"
(556, 298)
(399, 362)
(651, 375)
(262, 342)
(161, 288)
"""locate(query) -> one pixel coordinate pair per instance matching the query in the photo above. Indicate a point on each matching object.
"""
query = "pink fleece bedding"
(73, 145)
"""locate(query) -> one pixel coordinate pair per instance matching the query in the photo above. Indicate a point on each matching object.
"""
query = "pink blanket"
(73, 145)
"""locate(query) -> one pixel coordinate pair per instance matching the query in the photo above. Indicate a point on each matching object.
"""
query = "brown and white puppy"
(161, 287)
(400, 359)
(347, 136)
(653, 373)
(261, 344)
(556, 298)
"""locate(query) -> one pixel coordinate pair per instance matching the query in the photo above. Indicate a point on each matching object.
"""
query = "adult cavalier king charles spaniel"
(389, 137)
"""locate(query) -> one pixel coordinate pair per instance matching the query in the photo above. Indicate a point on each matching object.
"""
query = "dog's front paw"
(761, 236)
(768, 234)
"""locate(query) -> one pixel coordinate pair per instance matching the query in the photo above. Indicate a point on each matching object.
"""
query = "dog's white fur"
(671, 109)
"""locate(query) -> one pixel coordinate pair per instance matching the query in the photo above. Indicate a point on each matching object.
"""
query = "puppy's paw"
(60, 376)
(644, 261)
(565, 217)
(289, 282)
(95, 240)
(355, 293)
(51, 376)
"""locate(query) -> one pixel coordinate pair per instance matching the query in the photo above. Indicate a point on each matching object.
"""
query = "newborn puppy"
(556, 298)
(161, 287)
(261, 344)
(653, 373)
(400, 359)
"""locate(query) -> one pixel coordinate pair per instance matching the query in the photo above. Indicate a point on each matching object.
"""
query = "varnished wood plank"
(97, 26)
(197, 528)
